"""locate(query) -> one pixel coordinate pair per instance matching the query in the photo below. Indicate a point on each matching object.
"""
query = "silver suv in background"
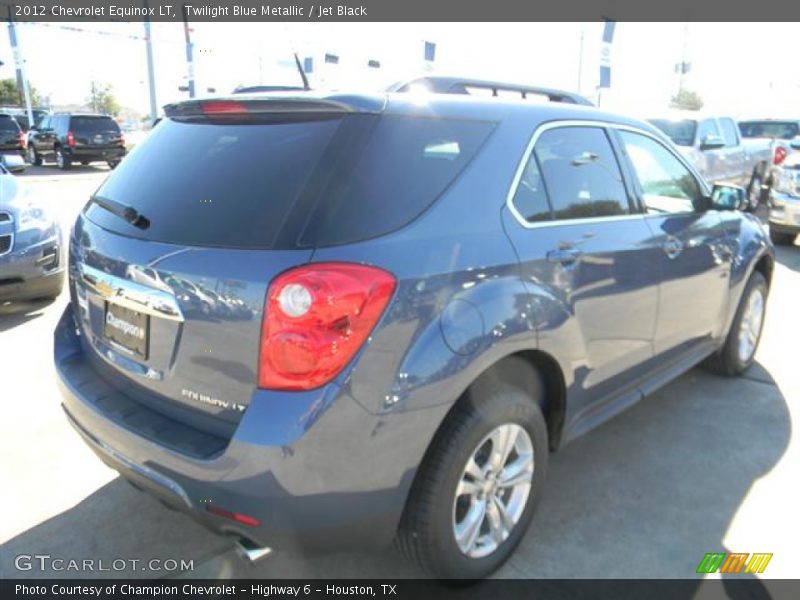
(32, 264)
(784, 205)
(716, 148)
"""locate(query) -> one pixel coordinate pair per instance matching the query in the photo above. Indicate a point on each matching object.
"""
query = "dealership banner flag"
(605, 54)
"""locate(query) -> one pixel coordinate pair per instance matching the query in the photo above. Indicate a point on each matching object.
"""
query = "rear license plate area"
(127, 328)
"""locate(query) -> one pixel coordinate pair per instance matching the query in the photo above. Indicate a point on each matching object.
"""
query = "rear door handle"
(565, 256)
(672, 247)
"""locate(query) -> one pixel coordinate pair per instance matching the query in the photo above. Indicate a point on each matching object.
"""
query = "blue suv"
(317, 320)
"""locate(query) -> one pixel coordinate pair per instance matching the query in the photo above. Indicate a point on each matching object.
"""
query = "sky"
(736, 67)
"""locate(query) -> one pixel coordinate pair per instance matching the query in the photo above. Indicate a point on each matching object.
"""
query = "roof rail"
(456, 85)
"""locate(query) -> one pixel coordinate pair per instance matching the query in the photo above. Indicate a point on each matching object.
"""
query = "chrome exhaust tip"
(250, 552)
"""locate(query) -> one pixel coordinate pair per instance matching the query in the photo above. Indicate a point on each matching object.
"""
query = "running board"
(250, 552)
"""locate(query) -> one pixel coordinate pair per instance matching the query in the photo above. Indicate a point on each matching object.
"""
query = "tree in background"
(686, 100)
(9, 94)
(102, 99)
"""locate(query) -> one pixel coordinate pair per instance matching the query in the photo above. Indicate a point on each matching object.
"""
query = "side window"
(580, 173)
(44, 123)
(706, 128)
(530, 199)
(728, 132)
(667, 185)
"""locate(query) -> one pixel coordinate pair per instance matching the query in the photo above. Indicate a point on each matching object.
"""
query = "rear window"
(297, 183)
(8, 124)
(94, 125)
(680, 132)
(784, 130)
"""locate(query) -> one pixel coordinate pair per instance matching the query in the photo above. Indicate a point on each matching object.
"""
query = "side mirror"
(711, 142)
(795, 144)
(729, 197)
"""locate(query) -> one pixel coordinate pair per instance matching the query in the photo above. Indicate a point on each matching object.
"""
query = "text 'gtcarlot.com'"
(46, 562)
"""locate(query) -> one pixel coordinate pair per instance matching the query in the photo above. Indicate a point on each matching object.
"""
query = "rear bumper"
(314, 468)
(784, 213)
(94, 154)
(26, 272)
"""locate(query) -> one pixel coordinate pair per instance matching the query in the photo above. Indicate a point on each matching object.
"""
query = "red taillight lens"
(780, 155)
(70, 139)
(316, 318)
(22, 141)
(223, 107)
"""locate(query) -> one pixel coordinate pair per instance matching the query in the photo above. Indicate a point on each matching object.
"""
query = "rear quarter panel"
(460, 303)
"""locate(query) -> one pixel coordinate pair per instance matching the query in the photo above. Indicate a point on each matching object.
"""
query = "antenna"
(302, 73)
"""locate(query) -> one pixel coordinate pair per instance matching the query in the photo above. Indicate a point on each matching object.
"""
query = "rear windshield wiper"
(130, 214)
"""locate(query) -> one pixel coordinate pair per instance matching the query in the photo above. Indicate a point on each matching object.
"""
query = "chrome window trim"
(605, 125)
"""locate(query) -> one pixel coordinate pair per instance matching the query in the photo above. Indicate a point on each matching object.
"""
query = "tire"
(427, 533)
(62, 162)
(731, 360)
(33, 157)
(85, 163)
(754, 191)
(112, 164)
(780, 238)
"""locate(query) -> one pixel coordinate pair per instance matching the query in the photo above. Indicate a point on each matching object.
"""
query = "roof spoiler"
(454, 85)
(259, 104)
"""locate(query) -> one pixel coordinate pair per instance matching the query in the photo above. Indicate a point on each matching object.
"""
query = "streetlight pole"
(189, 50)
(22, 80)
(151, 78)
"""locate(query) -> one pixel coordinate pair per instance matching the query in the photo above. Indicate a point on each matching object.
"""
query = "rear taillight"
(70, 139)
(779, 156)
(316, 318)
(122, 139)
(22, 141)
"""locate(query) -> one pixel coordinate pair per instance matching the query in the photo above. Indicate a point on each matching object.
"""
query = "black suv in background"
(68, 138)
(12, 139)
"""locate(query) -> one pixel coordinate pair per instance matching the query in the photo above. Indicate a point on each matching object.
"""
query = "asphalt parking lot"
(706, 464)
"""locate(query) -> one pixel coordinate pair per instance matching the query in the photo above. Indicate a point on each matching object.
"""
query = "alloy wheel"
(493, 490)
(750, 327)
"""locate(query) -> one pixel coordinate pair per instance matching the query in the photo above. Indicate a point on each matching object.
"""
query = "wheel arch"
(766, 266)
(529, 370)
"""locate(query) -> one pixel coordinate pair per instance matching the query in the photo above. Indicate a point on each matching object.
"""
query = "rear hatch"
(173, 256)
(95, 132)
(9, 134)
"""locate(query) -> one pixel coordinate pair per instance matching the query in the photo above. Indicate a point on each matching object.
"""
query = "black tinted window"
(530, 198)
(93, 125)
(8, 124)
(581, 173)
(304, 182)
(406, 164)
(216, 185)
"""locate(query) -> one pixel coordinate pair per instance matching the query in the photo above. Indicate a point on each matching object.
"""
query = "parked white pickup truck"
(717, 150)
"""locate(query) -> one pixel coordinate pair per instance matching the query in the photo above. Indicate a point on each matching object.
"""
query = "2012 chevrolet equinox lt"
(330, 320)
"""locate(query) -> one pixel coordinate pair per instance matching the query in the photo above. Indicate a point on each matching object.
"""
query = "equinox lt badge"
(206, 399)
